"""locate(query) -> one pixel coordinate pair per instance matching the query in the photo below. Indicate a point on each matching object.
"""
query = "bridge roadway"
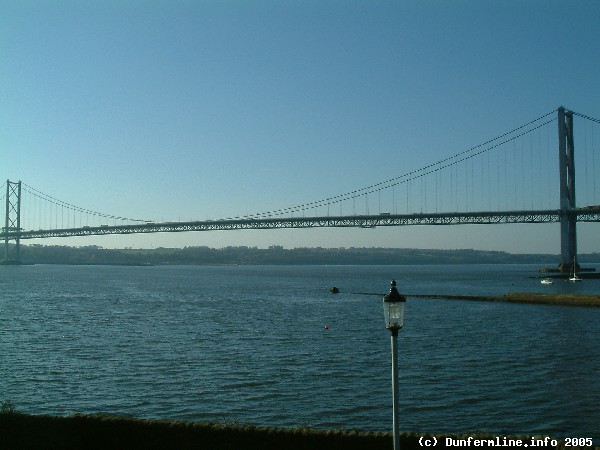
(585, 214)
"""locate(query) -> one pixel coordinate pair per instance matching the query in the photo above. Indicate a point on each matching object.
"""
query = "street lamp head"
(393, 308)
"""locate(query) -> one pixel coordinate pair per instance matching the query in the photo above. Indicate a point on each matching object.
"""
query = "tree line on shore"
(242, 255)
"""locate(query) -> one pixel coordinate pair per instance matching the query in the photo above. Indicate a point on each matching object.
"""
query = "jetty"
(522, 297)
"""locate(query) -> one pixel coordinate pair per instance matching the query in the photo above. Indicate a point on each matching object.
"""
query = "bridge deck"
(587, 214)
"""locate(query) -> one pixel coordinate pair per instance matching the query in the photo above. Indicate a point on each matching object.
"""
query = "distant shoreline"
(277, 255)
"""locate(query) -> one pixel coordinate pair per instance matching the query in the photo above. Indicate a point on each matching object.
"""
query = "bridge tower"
(568, 220)
(12, 222)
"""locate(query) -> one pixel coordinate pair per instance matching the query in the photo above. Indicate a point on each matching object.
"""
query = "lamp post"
(393, 311)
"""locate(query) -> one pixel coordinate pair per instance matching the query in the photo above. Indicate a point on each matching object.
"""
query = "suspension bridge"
(521, 176)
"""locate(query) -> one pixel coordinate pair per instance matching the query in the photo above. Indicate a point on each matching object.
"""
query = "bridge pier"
(12, 223)
(568, 218)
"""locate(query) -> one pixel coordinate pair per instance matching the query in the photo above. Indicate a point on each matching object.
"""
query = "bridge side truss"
(591, 214)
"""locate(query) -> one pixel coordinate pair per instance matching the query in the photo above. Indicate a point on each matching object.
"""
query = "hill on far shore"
(41, 254)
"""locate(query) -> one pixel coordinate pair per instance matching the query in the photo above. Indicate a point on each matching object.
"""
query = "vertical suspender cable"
(596, 200)
(531, 172)
(585, 151)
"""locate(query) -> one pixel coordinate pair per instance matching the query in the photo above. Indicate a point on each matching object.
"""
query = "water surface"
(249, 344)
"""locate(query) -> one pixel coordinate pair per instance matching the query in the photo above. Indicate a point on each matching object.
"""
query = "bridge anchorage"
(488, 172)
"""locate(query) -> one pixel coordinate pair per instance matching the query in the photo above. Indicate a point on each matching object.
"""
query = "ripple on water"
(180, 343)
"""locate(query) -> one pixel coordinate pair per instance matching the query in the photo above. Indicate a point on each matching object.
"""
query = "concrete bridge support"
(568, 220)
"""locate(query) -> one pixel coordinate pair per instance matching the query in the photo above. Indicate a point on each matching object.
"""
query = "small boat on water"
(334, 290)
(547, 281)
(574, 276)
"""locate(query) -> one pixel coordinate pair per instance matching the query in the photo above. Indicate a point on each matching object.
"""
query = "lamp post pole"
(396, 425)
(393, 311)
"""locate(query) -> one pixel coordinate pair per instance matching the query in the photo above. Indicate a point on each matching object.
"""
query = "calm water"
(249, 345)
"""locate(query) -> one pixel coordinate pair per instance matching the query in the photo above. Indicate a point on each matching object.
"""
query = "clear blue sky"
(178, 110)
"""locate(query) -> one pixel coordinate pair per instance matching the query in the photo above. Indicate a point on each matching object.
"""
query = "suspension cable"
(57, 202)
(585, 117)
(409, 175)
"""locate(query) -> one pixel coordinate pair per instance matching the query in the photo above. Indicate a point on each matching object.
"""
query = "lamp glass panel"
(394, 314)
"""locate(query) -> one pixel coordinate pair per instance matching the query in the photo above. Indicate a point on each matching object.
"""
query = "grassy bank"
(27, 432)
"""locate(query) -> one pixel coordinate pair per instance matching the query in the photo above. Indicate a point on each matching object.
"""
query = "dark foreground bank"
(25, 432)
